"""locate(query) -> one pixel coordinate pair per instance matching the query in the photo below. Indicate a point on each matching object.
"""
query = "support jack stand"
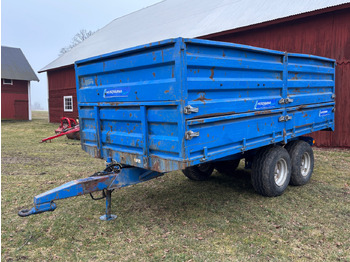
(108, 216)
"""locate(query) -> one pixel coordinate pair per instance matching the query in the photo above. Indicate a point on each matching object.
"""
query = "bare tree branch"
(77, 39)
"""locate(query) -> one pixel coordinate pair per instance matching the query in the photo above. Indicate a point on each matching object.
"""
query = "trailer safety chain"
(112, 168)
(104, 195)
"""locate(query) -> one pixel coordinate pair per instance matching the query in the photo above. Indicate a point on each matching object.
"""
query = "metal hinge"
(285, 100)
(190, 109)
(190, 134)
(288, 100)
(284, 118)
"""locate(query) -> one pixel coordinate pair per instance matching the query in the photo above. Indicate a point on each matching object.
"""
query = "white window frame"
(3, 81)
(65, 109)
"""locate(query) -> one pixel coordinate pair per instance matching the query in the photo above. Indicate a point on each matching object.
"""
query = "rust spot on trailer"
(301, 107)
(212, 73)
(108, 137)
(130, 114)
(223, 53)
(162, 56)
(207, 135)
(212, 115)
(302, 126)
(109, 103)
(284, 132)
(202, 97)
(154, 74)
(262, 112)
(172, 72)
(91, 186)
(295, 77)
(166, 91)
(257, 126)
(96, 83)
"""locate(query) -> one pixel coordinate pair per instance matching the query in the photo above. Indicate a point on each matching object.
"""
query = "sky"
(42, 27)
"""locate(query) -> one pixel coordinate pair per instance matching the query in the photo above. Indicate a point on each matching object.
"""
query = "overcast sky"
(42, 27)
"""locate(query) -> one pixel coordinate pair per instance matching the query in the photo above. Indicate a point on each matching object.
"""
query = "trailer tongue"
(113, 177)
(196, 105)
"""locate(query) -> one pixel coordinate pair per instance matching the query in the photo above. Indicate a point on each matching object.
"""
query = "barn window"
(68, 103)
(7, 82)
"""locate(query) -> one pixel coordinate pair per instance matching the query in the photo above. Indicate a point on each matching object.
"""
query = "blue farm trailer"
(197, 105)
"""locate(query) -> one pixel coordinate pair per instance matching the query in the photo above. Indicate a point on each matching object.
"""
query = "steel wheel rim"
(280, 172)
(204, 167)
(305, 164)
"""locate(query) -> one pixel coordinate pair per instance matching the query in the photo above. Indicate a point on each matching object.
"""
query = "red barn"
(314, 27)
(16, 74)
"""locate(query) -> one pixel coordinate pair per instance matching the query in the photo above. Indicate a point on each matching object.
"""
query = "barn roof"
(14, 65)
(183, 18)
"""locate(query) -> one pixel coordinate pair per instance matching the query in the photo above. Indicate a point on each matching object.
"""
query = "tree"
(77, 39)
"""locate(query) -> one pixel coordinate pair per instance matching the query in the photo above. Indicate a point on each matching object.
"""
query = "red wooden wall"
(61, 83)
(14, 100)
(326, 34)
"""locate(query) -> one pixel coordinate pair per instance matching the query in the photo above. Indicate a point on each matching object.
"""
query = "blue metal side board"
(180, 102)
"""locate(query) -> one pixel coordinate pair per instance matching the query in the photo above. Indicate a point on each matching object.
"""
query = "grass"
(169, 218)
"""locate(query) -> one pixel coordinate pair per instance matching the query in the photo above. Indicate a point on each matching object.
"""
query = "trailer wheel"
(271, 171)
(199, 172)
(302, 157)
(227, 167)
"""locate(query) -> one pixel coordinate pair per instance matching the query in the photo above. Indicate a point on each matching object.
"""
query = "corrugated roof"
(14, 65)
(184, 18)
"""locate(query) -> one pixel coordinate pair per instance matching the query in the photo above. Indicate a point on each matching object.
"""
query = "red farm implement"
(68, 127)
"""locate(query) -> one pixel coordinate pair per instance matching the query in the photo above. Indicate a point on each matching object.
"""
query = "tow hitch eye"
(37, 209)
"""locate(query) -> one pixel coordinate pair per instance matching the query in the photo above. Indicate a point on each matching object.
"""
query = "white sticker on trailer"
(324, 112)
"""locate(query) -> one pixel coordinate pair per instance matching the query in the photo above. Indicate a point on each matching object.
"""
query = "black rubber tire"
(263, 169)
(199, 172)
(296, 150)
(227, 167)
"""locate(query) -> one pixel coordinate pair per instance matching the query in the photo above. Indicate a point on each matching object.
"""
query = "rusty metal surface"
(237, 98)
(106, 181)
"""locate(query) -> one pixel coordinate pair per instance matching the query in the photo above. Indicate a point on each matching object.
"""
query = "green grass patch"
(169, 218)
